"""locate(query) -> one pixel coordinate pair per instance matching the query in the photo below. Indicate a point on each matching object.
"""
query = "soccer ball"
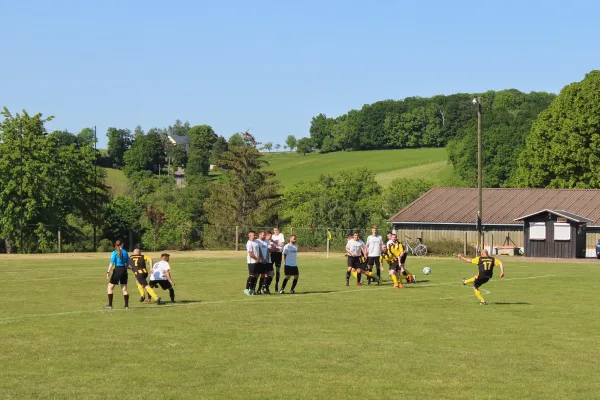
(426, 270)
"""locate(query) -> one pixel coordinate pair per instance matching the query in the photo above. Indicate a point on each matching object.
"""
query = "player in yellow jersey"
(486, 266)
(139, 263)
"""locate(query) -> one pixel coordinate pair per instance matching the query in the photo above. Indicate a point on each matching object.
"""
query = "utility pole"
(21, 188)
(95, 189)
(479, 175)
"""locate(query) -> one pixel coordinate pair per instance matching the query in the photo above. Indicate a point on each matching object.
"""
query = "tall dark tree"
(145, 154)
(119, 141)
(248, 198)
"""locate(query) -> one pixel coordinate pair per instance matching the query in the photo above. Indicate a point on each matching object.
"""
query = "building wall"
(464, 234)
(549, 247)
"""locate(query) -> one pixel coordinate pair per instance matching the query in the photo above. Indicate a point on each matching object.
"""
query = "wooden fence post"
(237, 238)
(59, 241)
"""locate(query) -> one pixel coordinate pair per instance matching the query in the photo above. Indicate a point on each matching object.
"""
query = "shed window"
(537, 230)
(562, 231)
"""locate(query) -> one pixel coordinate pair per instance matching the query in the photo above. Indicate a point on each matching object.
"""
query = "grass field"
(430, 164)
(116, 180)
(537, 339)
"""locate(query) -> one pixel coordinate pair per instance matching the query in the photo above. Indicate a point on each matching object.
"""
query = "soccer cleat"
(142, 299)
(247, 292)
(126, 307)
(292, 291)
(347, 282)
(396, 287)
(158, 301)
(281, 291)
(482, 303)
(252, 292)
(108, 307)
(148, 300)
(359, 283)
(464, 281)
(259, 291)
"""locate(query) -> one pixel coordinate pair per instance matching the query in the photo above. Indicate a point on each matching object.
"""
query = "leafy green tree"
(305, 146)
(219, 147)
(138, 132)
(178, 128)
(86, 137)
(122, 220)
(202, 140)
(563, 149)
(42, 183)
(145, 154)
(249, 197)
(403, 191)
(236, 140)
(320, 128)
(64, 138)
(179, 157)
(291, 142)
(119, 141)
(278, 146)
(268, 146)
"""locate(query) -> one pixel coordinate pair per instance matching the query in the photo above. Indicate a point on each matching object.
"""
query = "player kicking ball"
(486, 266)
(290, 265)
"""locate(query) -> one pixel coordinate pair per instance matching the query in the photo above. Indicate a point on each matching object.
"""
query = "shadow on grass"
(314, 292)
(182, 301)
(508, 304)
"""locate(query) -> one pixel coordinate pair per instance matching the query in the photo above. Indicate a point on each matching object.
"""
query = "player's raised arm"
(499, 264)
(465, 259)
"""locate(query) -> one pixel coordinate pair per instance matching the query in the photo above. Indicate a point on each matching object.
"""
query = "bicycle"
(419, 250)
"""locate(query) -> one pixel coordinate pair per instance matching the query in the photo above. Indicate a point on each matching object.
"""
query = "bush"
(105, 245)
(447, 248)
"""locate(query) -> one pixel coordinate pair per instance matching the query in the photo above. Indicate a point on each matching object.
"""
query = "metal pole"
(95, 189)
(21, 189)
(237, 238)
(479, 176)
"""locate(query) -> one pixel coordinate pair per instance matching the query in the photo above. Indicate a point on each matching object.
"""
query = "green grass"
(291, 168)
(116, 180)
(538, 338)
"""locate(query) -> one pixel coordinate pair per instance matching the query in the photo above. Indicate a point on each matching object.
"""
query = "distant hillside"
(431, 164)
(116, 180)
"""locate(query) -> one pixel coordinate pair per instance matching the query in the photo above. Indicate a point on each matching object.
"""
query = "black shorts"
(403, 258)
(142, 279)
(261, 268)
(253, 269)
(289, 270)
(354, 262)
(119, 275)
(480, 280)
(276, 258)
(373, 261)
(164, 285)
(269, 268)
(395, 266)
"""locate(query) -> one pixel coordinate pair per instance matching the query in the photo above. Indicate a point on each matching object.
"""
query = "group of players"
(160, 275)
(265, 253)
(364, 257)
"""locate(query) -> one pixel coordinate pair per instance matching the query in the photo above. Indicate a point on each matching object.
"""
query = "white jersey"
(278, 239)
(252, 247)
(290, 251)
(374, 245)
(355, 247)
(264, 250)
(159, 271)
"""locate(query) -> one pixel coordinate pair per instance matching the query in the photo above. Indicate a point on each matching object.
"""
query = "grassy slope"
(116, 180)
(536, 340)
(387, 164)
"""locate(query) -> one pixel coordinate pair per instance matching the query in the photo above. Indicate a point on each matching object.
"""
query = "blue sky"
(273, 65)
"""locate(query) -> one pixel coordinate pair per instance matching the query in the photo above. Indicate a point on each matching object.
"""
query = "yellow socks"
(395, 279)
(470, 280)
(151, 292)
(354, 274)
(140, 289)
(479, 296)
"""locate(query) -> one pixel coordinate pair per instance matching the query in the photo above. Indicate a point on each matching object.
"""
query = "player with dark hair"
(276, 255)
(374, 242)
(290, 263)
(252, 258)
(486, 265)
(139, 264)
(161, 275)
(356, 250)
(119, 260)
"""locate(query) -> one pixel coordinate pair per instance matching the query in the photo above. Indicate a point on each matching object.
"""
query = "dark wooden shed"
(554, 234)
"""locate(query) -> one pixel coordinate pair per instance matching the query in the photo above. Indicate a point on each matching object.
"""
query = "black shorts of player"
(290, 270)
(164, 285)
(269, 268)
(354, 262)
(119, 275)
(373, 261)
(261, 268)
(276, 258)
(480, 281)
(253, 269)
(403, 258)
(142, 279)
(395, 266)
